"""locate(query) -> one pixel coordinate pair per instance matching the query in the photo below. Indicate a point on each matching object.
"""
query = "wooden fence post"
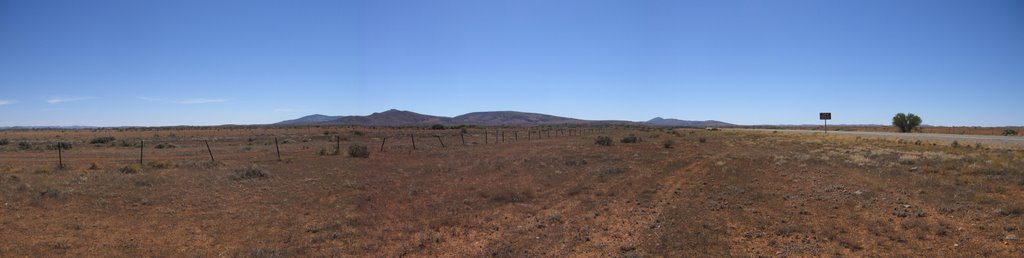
(413, 136)
(337, 149)
(503, 137)
(463, 137)
(60, 158)
(516, 133)
(382, 144)
(211, 151)
(275, 146)
(142, 147)
(439, 140)
(485, 137)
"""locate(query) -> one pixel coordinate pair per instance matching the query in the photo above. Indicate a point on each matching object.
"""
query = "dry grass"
(730, 194)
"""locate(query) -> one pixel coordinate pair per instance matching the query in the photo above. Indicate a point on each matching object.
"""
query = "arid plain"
(676, 193)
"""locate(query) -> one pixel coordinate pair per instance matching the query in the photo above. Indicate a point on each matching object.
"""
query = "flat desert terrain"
(713, 193)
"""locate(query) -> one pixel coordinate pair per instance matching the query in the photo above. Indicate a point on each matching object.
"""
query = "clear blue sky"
(109, 63)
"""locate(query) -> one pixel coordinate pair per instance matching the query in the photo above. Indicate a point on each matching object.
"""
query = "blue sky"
(109, 63)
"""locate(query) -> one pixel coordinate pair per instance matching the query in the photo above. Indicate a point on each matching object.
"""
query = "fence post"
(275, 146)
(211, 151)
(516, 133)
(382, 144)
(463, 137)
(503, 137)
(338, 147)
(439, 140)
(413, 136)
(485, 137)
(142, 147)
(60, 158)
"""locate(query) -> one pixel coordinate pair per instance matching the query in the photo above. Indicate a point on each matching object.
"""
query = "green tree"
(906, 122)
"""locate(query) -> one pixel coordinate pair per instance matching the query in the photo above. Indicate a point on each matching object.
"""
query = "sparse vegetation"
(668, 144)
(164, 145)
(130, 169)
(160, 164)
(437, 127)
(1007, 132)
(61, 145)
(906, 122)
(702, 140)
(358, 151)
(102, 140)
(4, 142)
(630, 139)
(250, 172)
(603, 141)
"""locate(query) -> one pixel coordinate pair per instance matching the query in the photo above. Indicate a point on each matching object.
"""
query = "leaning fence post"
(439, 140)
(382, 144)
(276, 147)
(60, 159)
(211, 151)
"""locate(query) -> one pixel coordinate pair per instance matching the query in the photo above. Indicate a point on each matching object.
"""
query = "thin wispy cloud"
(4, 102)
(185, 101)
(63, 99)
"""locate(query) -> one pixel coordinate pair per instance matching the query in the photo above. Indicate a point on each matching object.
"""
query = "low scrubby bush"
(1007, 132)
(24, 145)
(668, 144)
(630, 139)
(164, 145)
(130, 169)
(358, 151)
(4, 142)
(62, 145)
(102, 140)
(603, 141)
(250, 172)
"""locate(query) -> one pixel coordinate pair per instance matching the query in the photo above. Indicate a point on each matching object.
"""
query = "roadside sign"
(825, 116)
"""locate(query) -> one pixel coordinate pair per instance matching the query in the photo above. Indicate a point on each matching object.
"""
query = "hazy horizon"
(164, 63)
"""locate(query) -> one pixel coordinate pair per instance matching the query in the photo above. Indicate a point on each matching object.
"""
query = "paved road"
(1008, 141)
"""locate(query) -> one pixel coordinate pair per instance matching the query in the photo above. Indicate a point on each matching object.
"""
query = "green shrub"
(358, 151)
(603, 141)
(906, 122)
(630, 139)
(24, 145)
(4, 142)
(1007, 132)
(102, 140)
(437, 127)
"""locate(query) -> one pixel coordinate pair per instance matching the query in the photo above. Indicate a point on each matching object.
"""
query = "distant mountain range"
(395, 117)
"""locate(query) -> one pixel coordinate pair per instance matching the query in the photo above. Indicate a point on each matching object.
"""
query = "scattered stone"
(1011, 237)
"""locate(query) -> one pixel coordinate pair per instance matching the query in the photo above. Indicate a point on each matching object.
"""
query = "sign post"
(825, 116)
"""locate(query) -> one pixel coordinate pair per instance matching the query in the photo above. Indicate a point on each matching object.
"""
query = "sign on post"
(825, 116)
